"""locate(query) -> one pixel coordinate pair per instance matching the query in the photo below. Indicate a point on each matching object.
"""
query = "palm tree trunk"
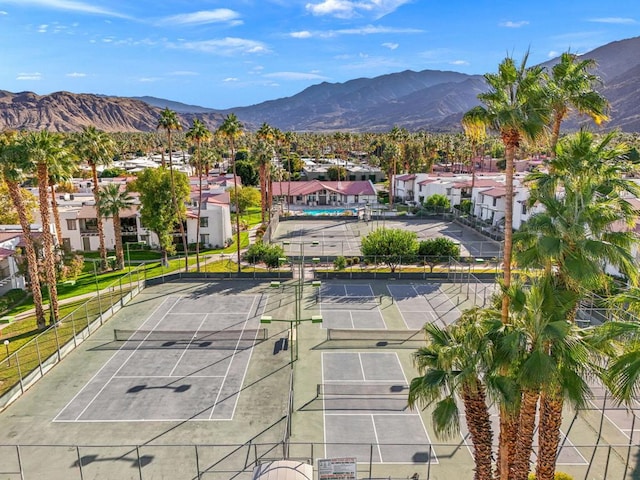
(479, 425)
(526, 426)
(510, 152)
(507, 441)
(99, 224)
(183, 234)
(47, 240)
(118, 234)
(56, 214)
(235, 192)
(32, 258)
(555, 134)
(199, 207)
(548, 435)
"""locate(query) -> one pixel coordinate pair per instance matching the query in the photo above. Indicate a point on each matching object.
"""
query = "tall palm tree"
(197, 134)
(60, 171)
(264, 153)
(571, 85)
(585, 225)
(232, 130)
(456, 361)
(41, 149)
(473, 123)
(111, 201)
(97, 149)
(516, 106)
(11, 163)
(169, 122)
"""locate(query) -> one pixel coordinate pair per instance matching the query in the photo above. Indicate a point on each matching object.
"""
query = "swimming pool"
(329, 212)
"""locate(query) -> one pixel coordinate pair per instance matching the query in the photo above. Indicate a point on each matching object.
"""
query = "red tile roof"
(5, 253)
(495, 192)
(362, 187)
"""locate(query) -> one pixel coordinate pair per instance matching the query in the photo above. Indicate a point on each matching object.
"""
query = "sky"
(225, 54)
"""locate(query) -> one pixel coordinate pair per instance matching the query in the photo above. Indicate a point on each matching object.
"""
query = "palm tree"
(456, 361)
(197, 134)
(41, 149)
(169, 121)
(231, 129)
(264, 152)
(111, 201)
(97, 149)
(578, 233)
(571, 86)
(11, 162)
(473, 123)
(516, 106)
(61, 170)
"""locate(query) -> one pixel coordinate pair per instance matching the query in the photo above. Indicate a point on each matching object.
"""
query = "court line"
(169, 376)
(186, 348)
(112, 357)
(375, 435)
(237, 394)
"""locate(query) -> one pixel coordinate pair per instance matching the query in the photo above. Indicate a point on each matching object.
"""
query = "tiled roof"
(307, 188)
(496, 192)
(89, 211)
(406, 178)
(5, 253)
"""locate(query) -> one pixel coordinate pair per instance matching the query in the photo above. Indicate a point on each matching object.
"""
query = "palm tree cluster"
(526, 356)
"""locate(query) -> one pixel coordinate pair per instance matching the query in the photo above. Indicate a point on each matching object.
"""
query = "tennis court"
(187, 361)
(425, 303)
(342, 236)
(364, 400)
(350, 306)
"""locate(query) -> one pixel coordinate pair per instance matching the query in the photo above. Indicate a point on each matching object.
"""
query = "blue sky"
(223, 54)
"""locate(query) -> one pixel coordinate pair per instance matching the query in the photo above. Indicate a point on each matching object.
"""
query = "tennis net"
(197, 336)
(343, 302)
(375, 334)
(361, 390)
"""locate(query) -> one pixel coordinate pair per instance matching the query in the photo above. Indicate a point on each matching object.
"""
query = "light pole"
(6, 346)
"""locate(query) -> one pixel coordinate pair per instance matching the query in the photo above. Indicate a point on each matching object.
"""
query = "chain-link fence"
(29, 363)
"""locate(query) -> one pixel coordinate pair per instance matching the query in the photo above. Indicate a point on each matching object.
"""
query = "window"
(204, 238)
(495, 202)
(72, 224)
(356, 198)
(524, 208)
(204, 222)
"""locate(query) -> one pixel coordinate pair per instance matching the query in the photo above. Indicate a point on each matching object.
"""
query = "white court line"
(233, 356)
(169, 376)
(375, 434)
(364, 377)
(186, 348)
(353, 325)
(112, 357)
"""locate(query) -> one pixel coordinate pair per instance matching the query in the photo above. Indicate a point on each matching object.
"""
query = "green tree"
(197, 134)
(12, 171)
(440, 247)
(169, 122)
(41, 149)
(335, 173)
(516, 105)
(8, 213)
(247, 173)
(455, 362)
(97, 149)
(111, 201)
(437, 203)
(231, 129)
(390, 245)
(158, 213)
(571, 86)
(244, 197)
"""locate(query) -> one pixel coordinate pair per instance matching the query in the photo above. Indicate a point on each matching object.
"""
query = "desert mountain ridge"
(430, 100)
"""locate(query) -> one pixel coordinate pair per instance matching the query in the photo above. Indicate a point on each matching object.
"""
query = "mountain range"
(427, 100)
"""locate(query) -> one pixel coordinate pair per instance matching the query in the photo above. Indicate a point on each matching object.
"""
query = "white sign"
(345, 468)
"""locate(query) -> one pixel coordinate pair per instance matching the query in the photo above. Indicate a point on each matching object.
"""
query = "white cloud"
(390, 45)
(70, 5)
(2, 12)
(302, 34)
(220, 15)
(230, 79)
(615, 20)
(459, 62)
(510, 24)
(349, 9)
(148, 79)
(43, 28)
(76, 75)
(552, 54)
(295, 76)
(366, 30)
(183, 73)
(29, 76)
(228, 46)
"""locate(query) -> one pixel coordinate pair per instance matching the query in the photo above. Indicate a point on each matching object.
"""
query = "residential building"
(325, 193)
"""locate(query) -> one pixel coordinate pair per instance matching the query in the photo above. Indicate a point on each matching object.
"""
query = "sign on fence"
(338, 468)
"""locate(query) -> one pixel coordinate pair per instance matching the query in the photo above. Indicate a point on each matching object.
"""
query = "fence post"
(73, 329)
(39, 357)
(79, 462)
(197, 463)
(19, 462)
(19, 373)
(370, 459)
(55, 331)
(139, 464)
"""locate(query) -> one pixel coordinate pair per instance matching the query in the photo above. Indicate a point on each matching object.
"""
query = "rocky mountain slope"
(426, 100)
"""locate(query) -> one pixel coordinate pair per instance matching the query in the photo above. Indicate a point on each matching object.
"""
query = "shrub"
(355, 260)
(440, 247)
(465, 206)
(261, 252)
(340, 263)
(557, 476)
